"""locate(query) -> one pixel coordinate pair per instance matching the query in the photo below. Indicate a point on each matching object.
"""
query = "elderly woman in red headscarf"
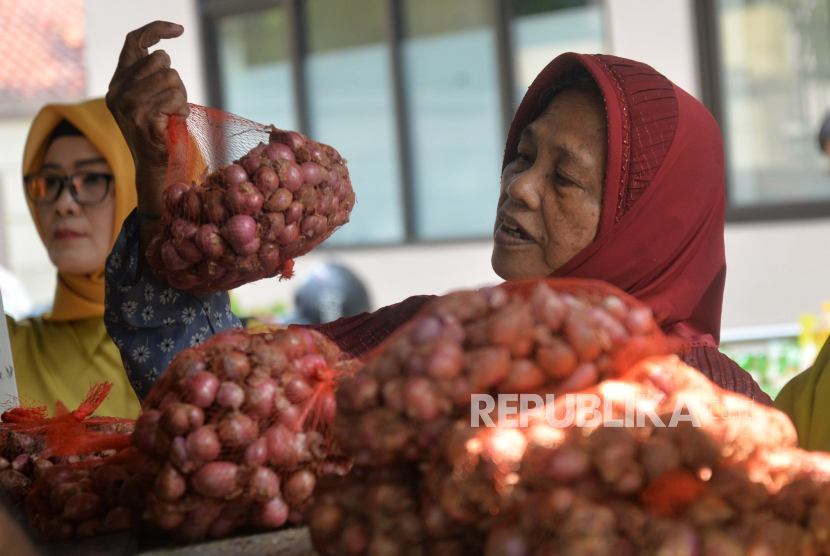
(610, 172)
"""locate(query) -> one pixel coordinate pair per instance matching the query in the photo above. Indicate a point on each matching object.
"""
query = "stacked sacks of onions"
(719, 486)
(239, 430)
(88, 498)
(250, 219)
(31, 442)
(527, 337)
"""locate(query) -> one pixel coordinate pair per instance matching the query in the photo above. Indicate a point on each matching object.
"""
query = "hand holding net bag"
(242, 200)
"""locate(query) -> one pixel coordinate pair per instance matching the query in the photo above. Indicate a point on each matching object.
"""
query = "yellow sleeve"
(59, 361)
(804, 400)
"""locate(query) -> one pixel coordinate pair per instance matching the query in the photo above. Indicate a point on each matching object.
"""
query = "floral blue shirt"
(150, 321)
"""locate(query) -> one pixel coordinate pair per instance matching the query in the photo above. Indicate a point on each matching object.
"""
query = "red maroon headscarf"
(660, 236)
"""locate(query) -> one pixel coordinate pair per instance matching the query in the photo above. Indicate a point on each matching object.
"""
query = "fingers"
(138, 41)
(141, 96)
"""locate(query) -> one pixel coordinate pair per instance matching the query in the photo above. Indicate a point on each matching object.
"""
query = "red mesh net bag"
(242, 200)
(31, 441)
(72, 470)
(90, 497)
(238, 429)
(619, 489)
(538, 336)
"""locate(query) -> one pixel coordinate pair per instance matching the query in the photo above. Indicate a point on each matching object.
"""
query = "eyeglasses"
(87, 188)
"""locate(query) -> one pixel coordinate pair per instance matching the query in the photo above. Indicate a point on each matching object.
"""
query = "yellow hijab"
(82, 297)
(806, 399)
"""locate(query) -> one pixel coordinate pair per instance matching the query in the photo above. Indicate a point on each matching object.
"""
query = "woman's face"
(77, 237)
(551, 193)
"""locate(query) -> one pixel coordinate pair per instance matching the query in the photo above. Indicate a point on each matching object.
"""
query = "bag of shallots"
(242, 200)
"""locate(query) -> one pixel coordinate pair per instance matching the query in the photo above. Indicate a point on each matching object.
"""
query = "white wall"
(109, 21)
(391, 275)
(776, 271)
(26, 256)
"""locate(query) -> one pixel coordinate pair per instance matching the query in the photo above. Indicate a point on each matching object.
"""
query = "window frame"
(708, 43)
(502, 16)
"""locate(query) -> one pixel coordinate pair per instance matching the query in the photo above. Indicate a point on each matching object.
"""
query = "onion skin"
(278, 151)
(173, 195)
(213, 206)
(263, 485)
(279, 200)
(312, 173)
(257, 452)
(237, 432)
(272, 514)
(269, 255)
(215, 480)
(203, 444)
(192, 204)
(292, 139)
(144, 437)
(299, 488)
(267, 181)
(170, 485)
(200, 389)
(291, 176)
(240, 230)
(182, 229)
(294, 212)
(210, 242)
(120, 519)
(289, 234)
(188, 251)
(230, 395)
(172, 260)
(244, 198)
(235, 175)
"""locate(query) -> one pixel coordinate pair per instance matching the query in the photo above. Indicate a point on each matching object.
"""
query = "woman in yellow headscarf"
(806, 399)
(80, 183)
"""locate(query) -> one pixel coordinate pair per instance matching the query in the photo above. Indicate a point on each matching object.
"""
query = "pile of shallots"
(250, 219)
(238, 430)
(428, 482)
(524, 338)
(87, 498)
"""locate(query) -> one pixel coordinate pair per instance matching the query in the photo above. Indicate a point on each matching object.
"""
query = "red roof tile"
(41, 50)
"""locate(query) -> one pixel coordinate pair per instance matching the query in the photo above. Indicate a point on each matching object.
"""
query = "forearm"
(149, 184)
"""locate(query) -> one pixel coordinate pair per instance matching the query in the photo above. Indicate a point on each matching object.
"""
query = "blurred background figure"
(79, 180)
(824, 136)
(327, 292)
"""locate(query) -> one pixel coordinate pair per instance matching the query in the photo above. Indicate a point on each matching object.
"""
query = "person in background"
(824, 136)
(804, 398)
(328, 292)
(610, 172)
(79, 179)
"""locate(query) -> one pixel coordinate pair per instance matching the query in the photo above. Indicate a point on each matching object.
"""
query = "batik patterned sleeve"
(150, 321)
